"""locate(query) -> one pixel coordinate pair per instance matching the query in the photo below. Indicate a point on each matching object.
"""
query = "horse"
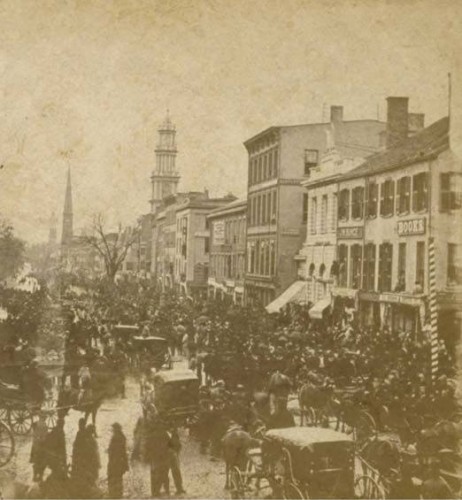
(235, 444)
(313, 399)
(89, 398)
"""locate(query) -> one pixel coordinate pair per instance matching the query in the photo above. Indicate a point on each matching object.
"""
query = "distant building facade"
(227, 226)
(280, 158)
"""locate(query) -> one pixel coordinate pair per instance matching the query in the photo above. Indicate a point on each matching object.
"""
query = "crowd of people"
(248, 362)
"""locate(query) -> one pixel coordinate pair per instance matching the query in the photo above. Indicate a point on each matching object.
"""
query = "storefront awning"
(316, 311)
(294, 293)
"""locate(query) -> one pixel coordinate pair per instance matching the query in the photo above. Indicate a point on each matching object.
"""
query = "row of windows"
(365, 202)
(357, 266)
(263, 167)
(230, 266)
(235, 231)
(322, 211)
(261, 257)
(262, 208)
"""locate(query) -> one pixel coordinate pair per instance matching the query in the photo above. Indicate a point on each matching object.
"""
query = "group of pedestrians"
(79, 476)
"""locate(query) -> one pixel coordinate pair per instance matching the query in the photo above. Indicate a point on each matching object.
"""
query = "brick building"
(227, 228)
(279, 159)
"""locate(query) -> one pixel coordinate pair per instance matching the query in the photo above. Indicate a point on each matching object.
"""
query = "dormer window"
(311, 160)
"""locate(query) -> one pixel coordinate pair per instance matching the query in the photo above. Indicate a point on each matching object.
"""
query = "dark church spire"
(67, 234)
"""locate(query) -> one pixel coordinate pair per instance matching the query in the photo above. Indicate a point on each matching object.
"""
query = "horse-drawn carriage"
(304, 462)
(176, 395)
(152, 353)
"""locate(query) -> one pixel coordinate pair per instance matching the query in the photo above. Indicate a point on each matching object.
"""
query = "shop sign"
(348, 293)
(219, 232)
(350, 233)
(394, 298)
(411, 227)
(290, 232)
(370, 296)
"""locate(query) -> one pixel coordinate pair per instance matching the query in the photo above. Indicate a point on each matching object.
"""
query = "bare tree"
(112, 247)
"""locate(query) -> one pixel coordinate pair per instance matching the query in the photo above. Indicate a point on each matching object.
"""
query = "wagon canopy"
(302, 437)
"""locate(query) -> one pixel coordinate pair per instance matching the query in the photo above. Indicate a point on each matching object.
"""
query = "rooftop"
(230, 207)
(424, 145)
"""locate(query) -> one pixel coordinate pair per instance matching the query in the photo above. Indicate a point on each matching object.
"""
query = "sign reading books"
(411, 227)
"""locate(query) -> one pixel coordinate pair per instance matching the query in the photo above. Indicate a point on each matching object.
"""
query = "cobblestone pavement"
(202, 477)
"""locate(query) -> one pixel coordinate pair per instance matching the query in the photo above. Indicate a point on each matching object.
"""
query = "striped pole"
(433, 309)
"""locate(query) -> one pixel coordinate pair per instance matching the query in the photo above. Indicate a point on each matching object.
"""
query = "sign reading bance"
(411, 227)
(350, 233)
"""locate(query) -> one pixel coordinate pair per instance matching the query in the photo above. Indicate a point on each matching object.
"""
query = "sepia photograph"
(231, 249)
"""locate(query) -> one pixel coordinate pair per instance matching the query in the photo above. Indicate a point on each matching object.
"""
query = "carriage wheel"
(51, 418)
(237, 483)
(251, 473)
(4, 414)
(367, 487)
(292, 492)
(365, 427)
(20, 420)
(6, 444)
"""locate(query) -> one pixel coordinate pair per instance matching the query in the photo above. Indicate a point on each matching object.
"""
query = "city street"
(202, 477)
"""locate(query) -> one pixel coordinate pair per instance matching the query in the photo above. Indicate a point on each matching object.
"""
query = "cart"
(19, 412)
(176, 395)
(305, 462)
(153, 353)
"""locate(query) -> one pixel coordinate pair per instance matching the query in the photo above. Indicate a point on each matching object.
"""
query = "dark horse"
(98, 387)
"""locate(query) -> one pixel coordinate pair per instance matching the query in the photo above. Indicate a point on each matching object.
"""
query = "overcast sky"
(93, 80)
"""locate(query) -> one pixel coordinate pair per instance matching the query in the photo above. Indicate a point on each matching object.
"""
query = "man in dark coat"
(56, 450)
(281, 418)
(158, 446)
(37, 454)
(174, 460)
(78, 455)
(118, 462)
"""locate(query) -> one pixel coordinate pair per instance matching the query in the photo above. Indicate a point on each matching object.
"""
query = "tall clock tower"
(165, 177)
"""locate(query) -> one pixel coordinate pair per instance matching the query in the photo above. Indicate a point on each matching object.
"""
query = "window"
(385, 266)
(265, 167)
(420, 192)
(356, 256)
(260, 169)
(274, 207)
(313, 218)
(258, 217)
(401, 284)
(369, 267)
(257, 257)
(387, 198)
(324, 214)
(343, 204)
(420, 264)
(403, 204)
(206, 245)
(305, 208)
(275, 164)
(372, 195)
(343, 265)
(270, 164)
(263, 208)
(273, 258)
(450, 191)
(267, 258)
(311, 160)
(333, 227)
(322, 270)
(311, 269)
(357, 203)
(454, 264)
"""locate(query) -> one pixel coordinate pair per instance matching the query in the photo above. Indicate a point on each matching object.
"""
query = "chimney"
(336, 114)
(416, 122)
(397, 120)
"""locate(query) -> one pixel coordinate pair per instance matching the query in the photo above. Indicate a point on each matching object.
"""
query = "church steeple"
(165, 177)
(68, 232)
